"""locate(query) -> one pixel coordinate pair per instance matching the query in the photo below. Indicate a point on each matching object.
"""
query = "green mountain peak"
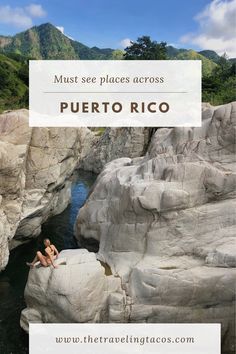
(48, 42)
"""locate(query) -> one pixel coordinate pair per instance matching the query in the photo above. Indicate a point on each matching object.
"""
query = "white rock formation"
(115, 143)
(77, 291)
(166, 224)
(35, 166)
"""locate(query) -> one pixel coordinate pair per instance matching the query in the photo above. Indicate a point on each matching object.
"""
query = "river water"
(59, 229)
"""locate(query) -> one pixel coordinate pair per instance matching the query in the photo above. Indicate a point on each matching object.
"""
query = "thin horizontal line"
(114, 92)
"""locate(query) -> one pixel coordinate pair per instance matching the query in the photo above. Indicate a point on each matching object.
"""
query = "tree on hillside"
(146, 49)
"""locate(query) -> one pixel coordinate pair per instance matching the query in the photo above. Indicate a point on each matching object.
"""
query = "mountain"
(172, 52)
(47, 42)
(207, 65)
(185, 54)
(210, 54)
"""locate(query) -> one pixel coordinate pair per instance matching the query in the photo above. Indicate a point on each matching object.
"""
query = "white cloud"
(21, 17)
(35, 10)
(217, 30)
(60, 28)
(14, 16)
(176, 45)
(126, 42)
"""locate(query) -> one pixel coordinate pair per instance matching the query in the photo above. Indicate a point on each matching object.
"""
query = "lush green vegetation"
(14, 90)
(210, 54)
(146, 49)
(39, 42)
(207, 65)
(47, 42)
(220, 86)
(218, 73)
(117, 54)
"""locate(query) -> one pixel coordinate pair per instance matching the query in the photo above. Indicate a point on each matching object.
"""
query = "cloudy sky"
(197, 24)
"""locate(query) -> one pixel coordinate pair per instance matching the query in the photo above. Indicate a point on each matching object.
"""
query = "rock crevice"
(35, 169)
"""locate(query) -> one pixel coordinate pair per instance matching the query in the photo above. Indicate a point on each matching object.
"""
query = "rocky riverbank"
(166, 227)
(35, 169)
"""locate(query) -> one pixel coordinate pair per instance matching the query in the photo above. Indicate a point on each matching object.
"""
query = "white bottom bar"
(125, 338)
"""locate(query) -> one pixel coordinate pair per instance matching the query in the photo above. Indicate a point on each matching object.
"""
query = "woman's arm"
(51, 258)
(56, 251)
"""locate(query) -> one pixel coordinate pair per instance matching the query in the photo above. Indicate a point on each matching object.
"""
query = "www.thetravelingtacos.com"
(89, 339)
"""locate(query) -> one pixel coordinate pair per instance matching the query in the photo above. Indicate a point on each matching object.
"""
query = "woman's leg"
(42, 259)
(39, 257)
(48, 260)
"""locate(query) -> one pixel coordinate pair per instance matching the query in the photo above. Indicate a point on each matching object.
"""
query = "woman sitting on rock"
(51, 253)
